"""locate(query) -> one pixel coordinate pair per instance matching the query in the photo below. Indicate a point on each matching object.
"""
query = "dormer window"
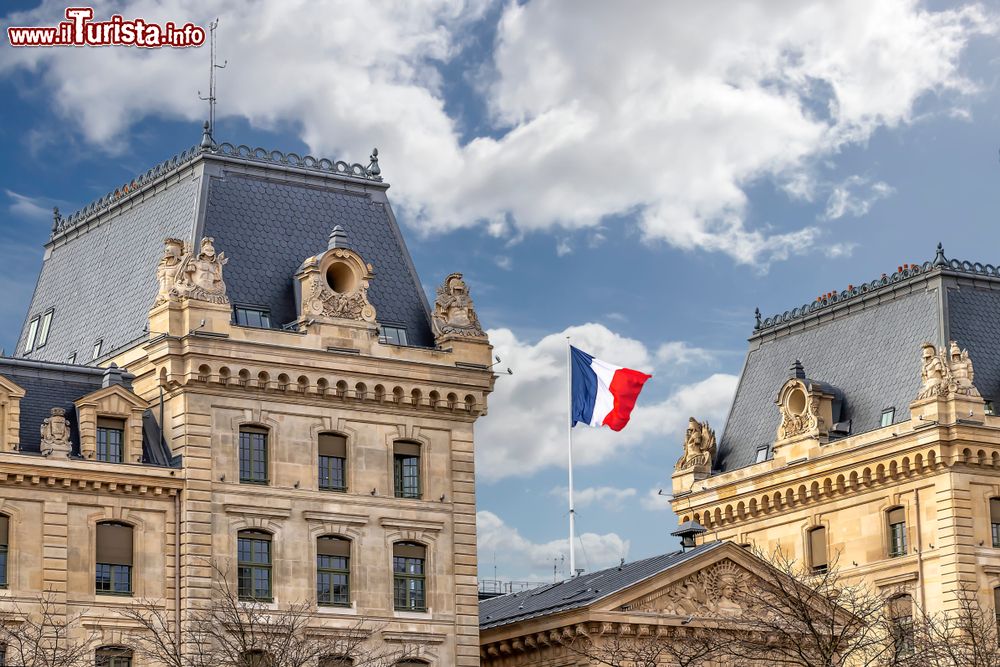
(97, 349)
(43, 331)
(761, 454)
(887, 416)
(29, 344)
(392, 335)
(251, 316)
(110, 440)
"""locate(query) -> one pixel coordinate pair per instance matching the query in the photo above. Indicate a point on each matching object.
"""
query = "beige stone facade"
(932, 475)
(204, 379)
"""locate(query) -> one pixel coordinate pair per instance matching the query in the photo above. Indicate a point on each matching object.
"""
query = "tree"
(230, 632)
(964, 637)
(43, 637)
(649, 646)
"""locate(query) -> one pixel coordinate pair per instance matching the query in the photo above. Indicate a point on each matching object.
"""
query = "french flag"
(603, 394)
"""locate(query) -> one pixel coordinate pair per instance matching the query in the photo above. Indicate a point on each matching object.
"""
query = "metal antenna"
(211, 77)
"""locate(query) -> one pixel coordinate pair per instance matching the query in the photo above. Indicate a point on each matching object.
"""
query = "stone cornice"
(80, 475)
(258, 511)
(335, 517)
(411, 524)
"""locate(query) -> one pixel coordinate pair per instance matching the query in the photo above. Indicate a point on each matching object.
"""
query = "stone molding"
(114, 402)
(10, 414)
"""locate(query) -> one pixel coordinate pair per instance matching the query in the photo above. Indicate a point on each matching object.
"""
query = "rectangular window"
(901, 617)
(253, 456)
(110, 437)
(72, 358)
(409, 582)
(887, 416)
(259, 318)
(332, 462)
(761, 455)
(406, 470)
(4, 542)
(995, 521)
(817, 550)
(333, 573)
(392, 335)
(254, 566)
(897, 533)
(43, 331)
(29, 344)
(113, 571)
(97, 350)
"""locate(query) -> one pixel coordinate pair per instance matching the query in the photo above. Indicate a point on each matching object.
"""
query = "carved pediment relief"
(334, 285)
(714, 591)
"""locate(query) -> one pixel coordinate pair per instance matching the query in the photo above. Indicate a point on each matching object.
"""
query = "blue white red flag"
(603, 394)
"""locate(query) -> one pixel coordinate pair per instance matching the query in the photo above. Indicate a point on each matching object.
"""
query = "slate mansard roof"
(865, 342)
(579, 591)
(49, 385)
(266, 210)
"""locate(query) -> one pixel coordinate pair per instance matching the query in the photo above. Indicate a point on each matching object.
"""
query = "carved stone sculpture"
(454, 313)
(344, 293)
(699, 445)
(55, 434)
(166, 272)
(946, 373)
(714, 591)
(184, 275)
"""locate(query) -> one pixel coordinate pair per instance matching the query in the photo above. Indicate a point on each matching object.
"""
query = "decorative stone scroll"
(806, 406)
(699, 446)
(55, 434)
(183, 275)
(454, 313)
(946, 373)
(714, 591)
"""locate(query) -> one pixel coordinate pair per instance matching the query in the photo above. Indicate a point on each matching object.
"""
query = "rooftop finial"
(756, 314)
(206, 136)
(798, 370)
(56, 219)
(939, 258)
(373, 168)
(338, 238)
(112, 376)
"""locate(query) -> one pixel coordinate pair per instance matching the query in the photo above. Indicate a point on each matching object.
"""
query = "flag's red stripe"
(625, 387)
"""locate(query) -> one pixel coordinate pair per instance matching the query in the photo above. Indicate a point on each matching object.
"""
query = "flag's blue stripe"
(584, 387)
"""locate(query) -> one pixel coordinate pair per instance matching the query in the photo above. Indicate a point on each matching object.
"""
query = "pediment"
(114, 399)
(10, 388)
(714, 590)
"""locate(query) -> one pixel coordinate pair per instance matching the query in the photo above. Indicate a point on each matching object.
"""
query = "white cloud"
(520, 559)
(607, 497)
(855, 197)
(679, 352)
(655, 501)
(660, 112)
(504, 262)
(563, 247)
(525, 430)
(32, 208)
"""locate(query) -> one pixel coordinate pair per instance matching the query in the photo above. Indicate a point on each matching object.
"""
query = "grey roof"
(865, 343)
(267, 211)
(579, 591)
(49, 385)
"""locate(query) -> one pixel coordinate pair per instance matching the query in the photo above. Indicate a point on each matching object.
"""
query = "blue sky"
(641, 174)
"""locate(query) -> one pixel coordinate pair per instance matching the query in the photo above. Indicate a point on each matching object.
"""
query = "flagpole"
(569, 455)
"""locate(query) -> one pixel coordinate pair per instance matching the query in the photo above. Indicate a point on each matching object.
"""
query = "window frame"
(262, 313)
(989, 407)
(29, 344)
(398, 338)
(403, 471)
(113, 571)
(45, 328)
(896, 533)
(409, 579)
(326, 463)
(901, 627)
(254, 567)
(994, 505)
(766, 451)
(891, 414)
(823, 567)
(5, 553)
(98, 347)
(105, 452)
(250, 431)
(123, 659)
(332, 572)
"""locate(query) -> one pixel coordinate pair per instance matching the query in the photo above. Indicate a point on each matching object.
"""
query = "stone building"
(861, 434)
(231, 359)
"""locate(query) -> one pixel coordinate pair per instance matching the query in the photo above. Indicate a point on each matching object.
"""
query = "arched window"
(332, 462)
(333, 571)
(995, 521)
(254, 565)
(406, 469)
(896, 530)
(110, 440)
(818, 550)
(113, 656)
(256, 658)
(113, 570)
(4, 545)
(409, 576)
(253, 455)
(901, 624)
